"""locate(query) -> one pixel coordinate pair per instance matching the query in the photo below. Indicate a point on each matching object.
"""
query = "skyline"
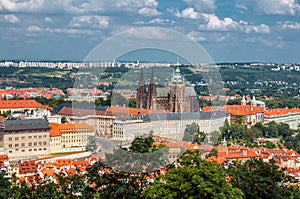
(235, 31)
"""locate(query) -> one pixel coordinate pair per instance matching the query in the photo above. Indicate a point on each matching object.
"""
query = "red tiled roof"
(125, 111)
(54, 131)
(74, 126)
(241, 110)
(11, 104)
(281, 111)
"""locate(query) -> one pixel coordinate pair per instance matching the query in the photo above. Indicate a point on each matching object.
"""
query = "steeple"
(243, 102)
(151, 101)
(141, 96)
(142, 80)
(253, 101)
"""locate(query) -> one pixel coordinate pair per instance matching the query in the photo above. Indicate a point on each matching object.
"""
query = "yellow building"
(72, 137)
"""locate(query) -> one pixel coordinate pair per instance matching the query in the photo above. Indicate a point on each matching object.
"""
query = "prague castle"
(177, 98)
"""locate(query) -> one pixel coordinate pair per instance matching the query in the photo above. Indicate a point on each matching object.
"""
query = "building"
(25, 138)
(70, 137)
(55, 138)
(167, 125)
(244, 114)
(290, 116)
(20, 105)
(177, 98)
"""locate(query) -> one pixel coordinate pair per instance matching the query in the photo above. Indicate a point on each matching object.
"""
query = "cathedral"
(176, 98)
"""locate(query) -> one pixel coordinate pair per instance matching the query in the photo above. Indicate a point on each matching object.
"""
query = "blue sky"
(231, 31)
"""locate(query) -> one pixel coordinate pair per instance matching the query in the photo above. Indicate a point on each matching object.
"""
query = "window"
(40, 137)
(30, 144)
(30, 150)
(35, 136)
(40, 143)
(45, 149)
(10, 152)
(29, 137)
(23, 150)
(16, 145)
(23, 144)
(35, 143)
(35, 149)
(44, 136)
(10, 139)
(10, 145)
(16, 138)
(44, 143)
(23, 138)
(40, 149)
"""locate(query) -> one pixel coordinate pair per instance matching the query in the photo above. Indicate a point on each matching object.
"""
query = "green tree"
(259, 180)
(91, 144)
(193, 134)
(214, 138)
(4, 185)
(193, 178)
(141, 156)
(132, 103)
(213, 152)
(63, 120)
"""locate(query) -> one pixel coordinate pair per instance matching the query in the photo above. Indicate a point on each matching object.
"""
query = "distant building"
(25, 138)
(20, 105)
(178, 98)
(290, 116)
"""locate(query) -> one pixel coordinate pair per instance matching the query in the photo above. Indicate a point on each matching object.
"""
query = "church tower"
(151, 101)
(177, 90)
(141, 98)
(243, 102)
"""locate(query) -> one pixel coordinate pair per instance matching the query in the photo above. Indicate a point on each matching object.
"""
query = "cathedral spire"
(142, 80)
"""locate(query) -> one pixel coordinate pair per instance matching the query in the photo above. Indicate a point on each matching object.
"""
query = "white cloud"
(196, 36)
(81, 6)
(276, 42)
(277, 7)
(216, 24)
(288, 25)
(205, 6)
(263, 28)
(159, 21)
(9, 18)
(71, 31)
(149, 12)
(90, 21)
(34, 28)
(188, 13)
(48, 20)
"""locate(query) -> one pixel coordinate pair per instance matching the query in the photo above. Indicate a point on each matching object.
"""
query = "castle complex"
(177, 98)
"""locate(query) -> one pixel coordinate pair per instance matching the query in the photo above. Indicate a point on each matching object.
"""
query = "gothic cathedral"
(177, 98)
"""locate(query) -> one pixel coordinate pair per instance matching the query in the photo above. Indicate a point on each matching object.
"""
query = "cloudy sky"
(233, 30)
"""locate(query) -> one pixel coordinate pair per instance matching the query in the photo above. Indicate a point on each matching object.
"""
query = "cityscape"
(149, 99)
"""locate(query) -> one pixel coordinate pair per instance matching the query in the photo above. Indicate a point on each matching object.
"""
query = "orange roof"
(194, 147)
(240, 110)
(124, 111)
(74, 126)
(11, 104)
(1, 117)
(54, 131)
(281, 111)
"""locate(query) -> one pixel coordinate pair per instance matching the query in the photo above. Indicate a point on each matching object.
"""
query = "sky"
(229, 30)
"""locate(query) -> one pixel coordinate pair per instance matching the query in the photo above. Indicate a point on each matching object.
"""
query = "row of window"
(29, 144)
(29, 137)
(29, 150)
